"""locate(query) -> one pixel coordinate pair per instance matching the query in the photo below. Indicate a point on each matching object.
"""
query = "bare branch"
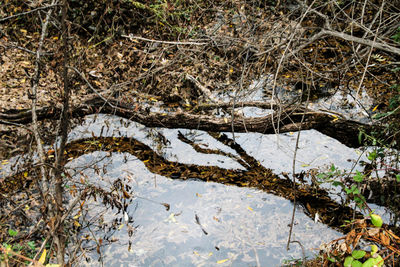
(27, 12)
(131, 37)
(35, 85)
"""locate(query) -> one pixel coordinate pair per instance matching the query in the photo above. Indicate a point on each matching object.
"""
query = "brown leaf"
(384, 238)
(373, 231)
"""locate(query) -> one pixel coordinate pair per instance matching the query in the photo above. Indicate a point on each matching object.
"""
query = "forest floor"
(141, 55)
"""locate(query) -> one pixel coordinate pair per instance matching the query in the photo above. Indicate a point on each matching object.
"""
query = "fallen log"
(287, 119)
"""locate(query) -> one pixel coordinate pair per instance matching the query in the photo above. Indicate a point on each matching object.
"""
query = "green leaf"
(331, 259)
(374, 249)
(359, 177)
(379, 261)
(358, 254)
(31, 245)
(360, 135)
(355, 190)
(372, 155)
(333, 168)
(369, 263)
(376, 220)
(337, 183)
(348, 261)
(398, 178)
(12, 232)
(356, 263)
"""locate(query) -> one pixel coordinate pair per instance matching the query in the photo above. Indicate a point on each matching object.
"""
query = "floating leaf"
(222, 261)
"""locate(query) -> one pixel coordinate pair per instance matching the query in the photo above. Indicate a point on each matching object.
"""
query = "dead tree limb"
(346, 131)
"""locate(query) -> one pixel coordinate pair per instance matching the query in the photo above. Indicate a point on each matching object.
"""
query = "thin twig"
(28, 12)
(91, 87)
(163, 42)
(294, 172)
(35, 84)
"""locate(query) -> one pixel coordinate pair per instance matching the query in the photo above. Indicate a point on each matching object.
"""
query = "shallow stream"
(207, 224)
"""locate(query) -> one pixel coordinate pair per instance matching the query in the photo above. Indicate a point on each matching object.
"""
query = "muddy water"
(207, 224)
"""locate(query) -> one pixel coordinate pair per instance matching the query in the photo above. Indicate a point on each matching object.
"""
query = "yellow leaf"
(55, 38)
(25, 174)
(53, 265)
(335, 117)
(225, 119)
(198, 195)
(43, 256)
(375, 108)
(23, 31)
(121, 226)
(222, 261)
(305, 165)
(249, 208)
(77, 224)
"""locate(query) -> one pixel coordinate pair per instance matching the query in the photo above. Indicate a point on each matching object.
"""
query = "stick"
(130, 36)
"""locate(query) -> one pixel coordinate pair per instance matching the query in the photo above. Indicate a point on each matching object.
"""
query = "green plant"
(28, 248)
(396, 36)
(352, 192)
(293, 262)
(358, 258)
(330, 176)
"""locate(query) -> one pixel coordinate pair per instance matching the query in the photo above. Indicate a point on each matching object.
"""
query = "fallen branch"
(131, 37)
(27, 12)
(346, 131)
